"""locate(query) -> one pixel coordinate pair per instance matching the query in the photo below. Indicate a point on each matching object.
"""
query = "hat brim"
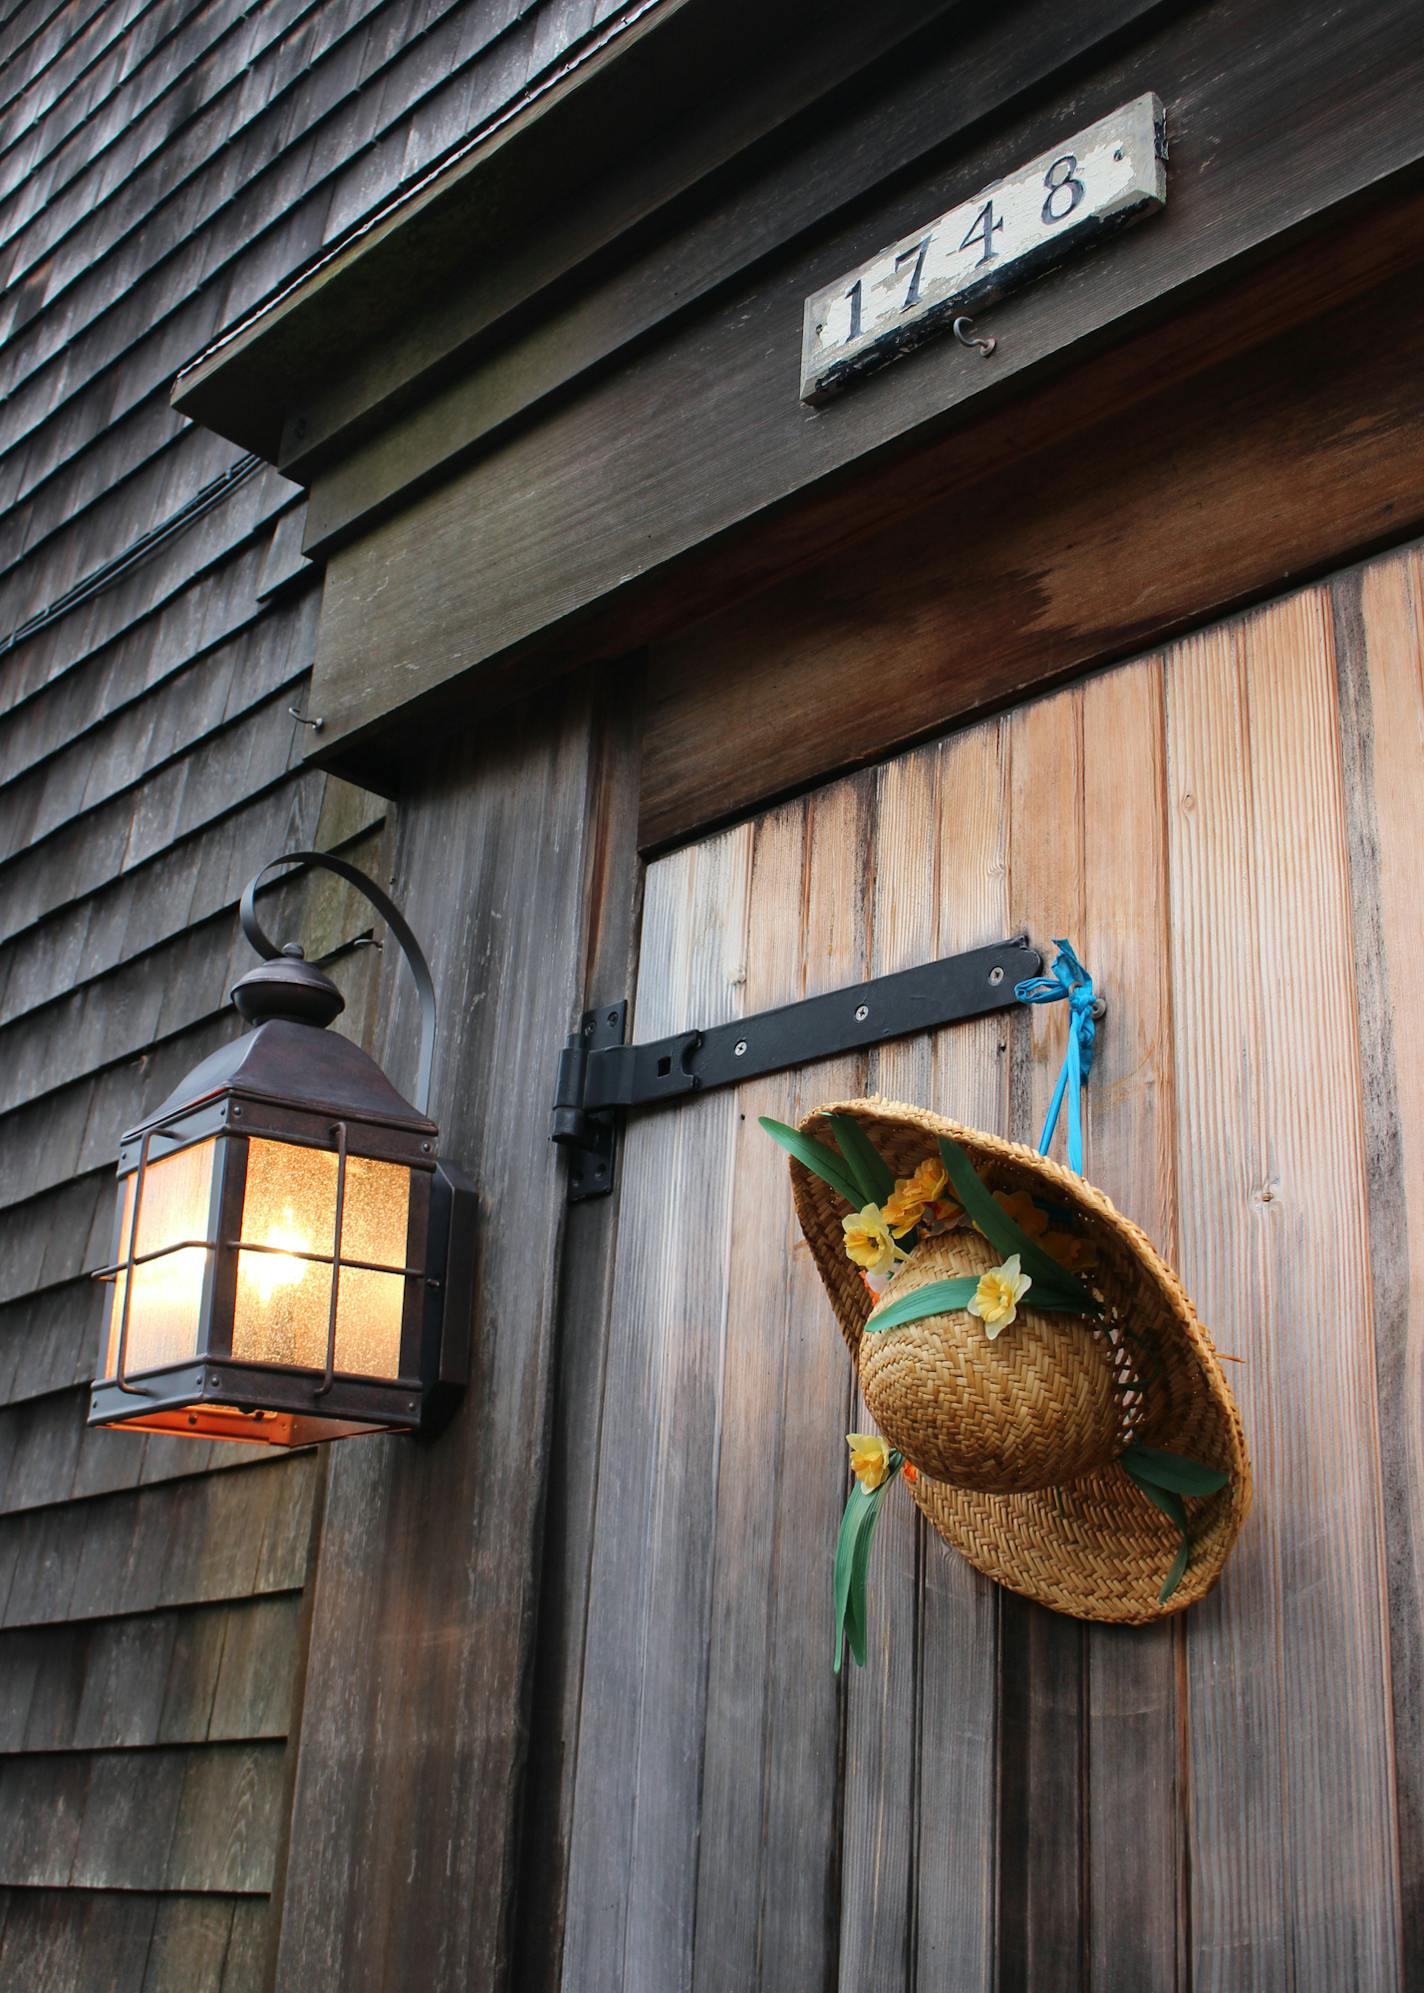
(1095, 1548)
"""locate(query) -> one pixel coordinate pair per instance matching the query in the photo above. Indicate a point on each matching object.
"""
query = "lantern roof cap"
(288, 986)
(298, 1065)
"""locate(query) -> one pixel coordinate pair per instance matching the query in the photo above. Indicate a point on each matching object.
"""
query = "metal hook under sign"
(963, 330)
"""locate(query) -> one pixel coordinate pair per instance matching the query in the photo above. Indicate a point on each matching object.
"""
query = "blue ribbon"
(1069, 979)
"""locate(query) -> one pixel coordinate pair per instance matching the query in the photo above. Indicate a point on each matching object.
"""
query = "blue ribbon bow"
(1069, 979)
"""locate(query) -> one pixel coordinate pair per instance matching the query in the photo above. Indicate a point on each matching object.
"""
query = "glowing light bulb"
(267, 1273)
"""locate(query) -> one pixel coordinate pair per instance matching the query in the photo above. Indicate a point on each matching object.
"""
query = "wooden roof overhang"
(547, 407)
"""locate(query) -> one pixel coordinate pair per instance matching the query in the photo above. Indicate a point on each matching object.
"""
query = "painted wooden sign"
(1106, 177)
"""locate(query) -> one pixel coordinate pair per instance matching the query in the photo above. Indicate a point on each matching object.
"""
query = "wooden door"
(1005, 1798)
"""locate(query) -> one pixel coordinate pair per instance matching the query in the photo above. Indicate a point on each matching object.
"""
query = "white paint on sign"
(1110, 175)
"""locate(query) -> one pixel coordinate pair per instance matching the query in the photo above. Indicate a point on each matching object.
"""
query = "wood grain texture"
(414, 1729)
(612, 904)
(1287, 1664)
(870, 899)
(56, 1940)
(216, 1537)
(744, 1785)
(1379, 644)
(103, 753)
(1042, 1929)
(157, 1015)
(988, 587)
(1136, 1794)
(634, 1833)
(960, 827)
(679, 1468)
(163, 164)
(1021, 1800)
(505, 202)
(809, 1712)
(1279, 123)
(800, 1851)
(190, 1821)
(529, 347)
(295, 184)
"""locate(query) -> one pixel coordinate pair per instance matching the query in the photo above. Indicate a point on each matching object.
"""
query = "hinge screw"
(996, 975)
(739, 1050)
(862, 1011)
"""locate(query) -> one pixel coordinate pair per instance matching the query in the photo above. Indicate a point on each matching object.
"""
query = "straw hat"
(1026, 1442)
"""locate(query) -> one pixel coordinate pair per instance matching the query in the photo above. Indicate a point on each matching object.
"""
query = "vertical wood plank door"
(1004, 1798)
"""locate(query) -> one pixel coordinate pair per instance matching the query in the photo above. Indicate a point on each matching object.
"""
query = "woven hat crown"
(1033, 1408)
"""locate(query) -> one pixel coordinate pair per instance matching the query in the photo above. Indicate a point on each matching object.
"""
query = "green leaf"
(820, 1160)
(857, 1633)
(845, 1558)
(1053, 1285)
(853, 1564)
(863, 1159)
(1172, 1505)
(1172, 1470)
(857, 1524)
(1163, 1498)
(1174, 1576)
(936, 1297)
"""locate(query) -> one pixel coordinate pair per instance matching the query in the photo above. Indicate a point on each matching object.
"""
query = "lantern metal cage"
(293, 1261)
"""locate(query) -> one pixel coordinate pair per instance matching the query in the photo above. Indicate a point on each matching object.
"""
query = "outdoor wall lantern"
(292, 1261)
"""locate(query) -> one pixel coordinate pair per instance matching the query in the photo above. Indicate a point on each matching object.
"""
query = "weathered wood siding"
(1004, 1798)
(163, 166)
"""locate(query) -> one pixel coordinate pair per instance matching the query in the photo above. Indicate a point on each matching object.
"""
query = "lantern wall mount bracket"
(601, 1078)
(395, 920)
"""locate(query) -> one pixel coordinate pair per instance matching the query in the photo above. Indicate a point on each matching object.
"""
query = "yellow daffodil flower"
(998, 1294)
(1024, 1212)
(868, 1241)
(1078, 1255)
(946, 1214)
(906, 1205)
(869, 1459)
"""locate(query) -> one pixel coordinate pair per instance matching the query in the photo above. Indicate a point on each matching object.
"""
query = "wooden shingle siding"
(206, 1538)
(90, 763)
(47, 1341)
(87, 851)
(51, 1942)
(330, 117)
(184, 1676)
(134, 1011)
(163, 165)
(165, 900)
(207, 605)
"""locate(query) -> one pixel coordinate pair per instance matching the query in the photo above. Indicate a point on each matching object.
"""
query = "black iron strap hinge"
(600, 1077)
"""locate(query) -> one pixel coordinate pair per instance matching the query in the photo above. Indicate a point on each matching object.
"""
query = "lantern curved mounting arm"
(394, 919)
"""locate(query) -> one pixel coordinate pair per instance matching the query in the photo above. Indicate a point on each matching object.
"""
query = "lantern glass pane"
(376, 1217)
(368, 1323)
(167, 1292)
(283, 1300)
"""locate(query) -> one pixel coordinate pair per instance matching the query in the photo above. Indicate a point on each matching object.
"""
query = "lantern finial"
(288, 987)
